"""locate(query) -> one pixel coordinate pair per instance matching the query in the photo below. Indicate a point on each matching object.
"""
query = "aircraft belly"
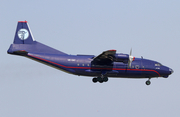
(130, 73)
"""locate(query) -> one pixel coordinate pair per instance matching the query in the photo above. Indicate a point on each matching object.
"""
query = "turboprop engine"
(125, 58)
(121, 58)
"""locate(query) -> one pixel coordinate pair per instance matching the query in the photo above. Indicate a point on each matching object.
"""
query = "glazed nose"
(171, 71)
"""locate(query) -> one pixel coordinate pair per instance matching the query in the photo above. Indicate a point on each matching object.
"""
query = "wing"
(106, 58)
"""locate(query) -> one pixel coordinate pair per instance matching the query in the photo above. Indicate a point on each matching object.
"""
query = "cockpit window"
(158, 64)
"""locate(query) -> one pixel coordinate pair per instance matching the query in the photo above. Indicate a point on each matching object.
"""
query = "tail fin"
(23, 34)
(24, 42)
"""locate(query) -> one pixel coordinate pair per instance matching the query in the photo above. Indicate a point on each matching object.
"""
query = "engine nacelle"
(121, 58)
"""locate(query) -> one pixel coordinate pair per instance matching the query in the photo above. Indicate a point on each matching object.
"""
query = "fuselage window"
(137, 66)
(82, 64)
(87, 64)
(132, 66)
(77, 64)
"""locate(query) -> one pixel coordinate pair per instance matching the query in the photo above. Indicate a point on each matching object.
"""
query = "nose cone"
(171, 71)
(166, 71)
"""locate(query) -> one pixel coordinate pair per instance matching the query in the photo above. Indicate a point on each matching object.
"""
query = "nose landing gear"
(148, 82)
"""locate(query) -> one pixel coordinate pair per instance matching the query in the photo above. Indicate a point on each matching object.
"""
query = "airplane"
(102, 67)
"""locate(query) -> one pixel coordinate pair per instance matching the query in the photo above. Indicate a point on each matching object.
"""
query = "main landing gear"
(100, 79)
(148, 82)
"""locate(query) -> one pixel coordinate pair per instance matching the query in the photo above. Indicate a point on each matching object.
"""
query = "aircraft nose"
(166, 72)
(171, 70)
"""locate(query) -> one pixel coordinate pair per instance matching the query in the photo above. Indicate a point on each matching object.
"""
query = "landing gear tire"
(105, 79)
(148, 82)
(94, 80)
(101, 81)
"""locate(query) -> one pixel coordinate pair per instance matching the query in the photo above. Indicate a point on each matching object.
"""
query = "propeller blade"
(130, 52)
(129, 64)
(130, 59)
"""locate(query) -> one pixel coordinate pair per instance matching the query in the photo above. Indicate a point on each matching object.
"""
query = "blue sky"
(151, 28)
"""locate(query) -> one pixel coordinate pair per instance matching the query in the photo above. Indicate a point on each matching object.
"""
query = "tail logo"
(23, 34)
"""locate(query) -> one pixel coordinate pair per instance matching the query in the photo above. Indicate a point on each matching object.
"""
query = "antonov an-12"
(107, 64)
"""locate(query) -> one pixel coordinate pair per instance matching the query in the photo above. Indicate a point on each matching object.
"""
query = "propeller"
(131, 59)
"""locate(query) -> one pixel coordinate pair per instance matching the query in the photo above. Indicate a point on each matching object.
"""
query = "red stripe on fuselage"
(93, 68)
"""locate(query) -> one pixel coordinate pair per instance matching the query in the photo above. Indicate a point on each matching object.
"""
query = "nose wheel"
(148, 82)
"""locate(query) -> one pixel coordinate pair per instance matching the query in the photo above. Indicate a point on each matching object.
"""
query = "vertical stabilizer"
(23, 34)
(24, 42)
